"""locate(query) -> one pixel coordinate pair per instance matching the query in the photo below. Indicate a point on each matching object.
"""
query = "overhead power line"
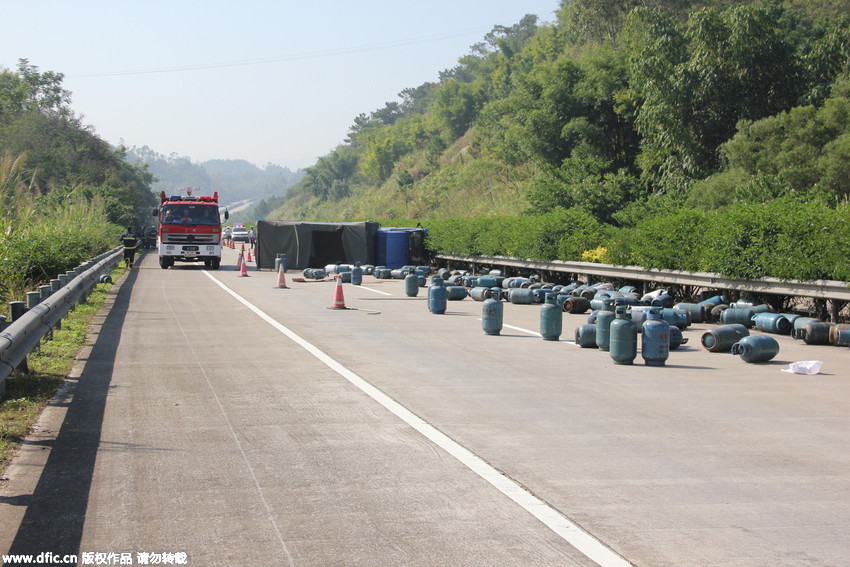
(289, 57)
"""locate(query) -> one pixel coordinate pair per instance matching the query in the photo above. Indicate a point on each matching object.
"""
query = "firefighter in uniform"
(130, 243)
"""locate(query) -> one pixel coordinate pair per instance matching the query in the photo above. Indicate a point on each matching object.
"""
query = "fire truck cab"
(189, 229)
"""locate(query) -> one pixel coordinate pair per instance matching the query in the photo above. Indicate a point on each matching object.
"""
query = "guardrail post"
(16, 311)
(3, 323)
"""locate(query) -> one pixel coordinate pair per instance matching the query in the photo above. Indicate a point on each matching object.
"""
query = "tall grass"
(42, 236)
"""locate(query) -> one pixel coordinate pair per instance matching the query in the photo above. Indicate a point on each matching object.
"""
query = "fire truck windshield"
(190, 214)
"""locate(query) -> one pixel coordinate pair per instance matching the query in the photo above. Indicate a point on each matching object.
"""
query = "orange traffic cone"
(243, 268)
(243, 247)
(249, 255)
(281, 278)
(339, 300)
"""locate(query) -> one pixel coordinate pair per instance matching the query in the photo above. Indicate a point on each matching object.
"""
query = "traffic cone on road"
(249, 255)
(339, 300)
(281, 278)
(243, 268)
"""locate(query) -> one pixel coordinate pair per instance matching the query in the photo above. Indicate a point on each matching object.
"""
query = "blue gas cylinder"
(551, 318)
(437, 296)
(356, 274)
(759, 348)
(655, 339)
(491, 315)
(623, 337)
(411, 285)
(603, 324)
(586, 335)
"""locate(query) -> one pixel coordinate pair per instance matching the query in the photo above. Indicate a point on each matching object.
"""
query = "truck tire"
(165, 263)
(216, 262)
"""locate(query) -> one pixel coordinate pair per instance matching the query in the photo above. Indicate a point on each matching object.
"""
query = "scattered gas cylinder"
(491, 315)
(655, 339)
(721, 339)
(760, 348)
(676, 337)
(356, 274)
(712, 302)
(663, 300)
(738, 315)
(479, 293)
(603, 325)
(814, 333)
(585, 335)
(772, 323)
(623, 337)
(521, 296)
(842, 337)
(834, 330)
(455, 292)
(411, 285)
(716, 311)
(799, 323)
(382, 273)
(551, 318)
(437, 296)
(576, 304)
(675, 317)
(315, 273)
(695, 311)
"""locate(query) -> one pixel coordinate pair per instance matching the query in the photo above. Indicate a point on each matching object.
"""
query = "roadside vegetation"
(65, 195)
(697, 135)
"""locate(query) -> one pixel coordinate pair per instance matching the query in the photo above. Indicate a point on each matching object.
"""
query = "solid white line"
(373, 289)
(535, 333)
(591, 547)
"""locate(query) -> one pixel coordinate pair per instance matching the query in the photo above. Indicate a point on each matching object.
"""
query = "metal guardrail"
(819, 289)
(25, 332)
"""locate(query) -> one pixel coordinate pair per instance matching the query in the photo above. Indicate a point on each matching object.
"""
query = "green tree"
(694, 85)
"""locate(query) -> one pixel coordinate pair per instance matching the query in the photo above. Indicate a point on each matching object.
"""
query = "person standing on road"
(130, 243)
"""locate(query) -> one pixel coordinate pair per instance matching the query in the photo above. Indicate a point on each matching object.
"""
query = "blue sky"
(265, 81)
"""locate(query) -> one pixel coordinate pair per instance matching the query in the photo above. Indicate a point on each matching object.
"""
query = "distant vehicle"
(239, 234)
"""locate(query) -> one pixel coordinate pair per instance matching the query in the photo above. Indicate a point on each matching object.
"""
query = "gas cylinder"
(551, 319)
(662, 300)
(491, 315)
(676, 338)
(759, 348)
(521, 296)
(576, 304)
(586, 335)
(603, 324)
(772, 323)
(356, 274)
(623, 337)
(655, 339)
(696, 311)
(739, 315)
(455, 292)
(411, 285)
(721, 339)
(437, 296)
(814, 333)
(834, 330)
(799, 323)
(842, 337)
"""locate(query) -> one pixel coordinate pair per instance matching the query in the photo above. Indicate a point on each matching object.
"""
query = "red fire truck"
(189, 229)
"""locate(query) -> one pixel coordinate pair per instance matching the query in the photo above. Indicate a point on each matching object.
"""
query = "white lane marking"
(535, 333)
(373, 289)
(591, 547)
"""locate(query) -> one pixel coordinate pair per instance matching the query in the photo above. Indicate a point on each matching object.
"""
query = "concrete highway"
(217, 420)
